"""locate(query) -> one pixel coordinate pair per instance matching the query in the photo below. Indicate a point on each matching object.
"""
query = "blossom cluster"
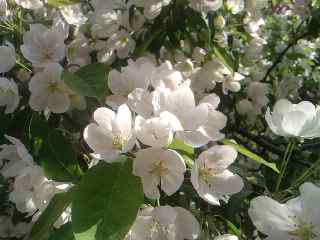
(213, 105)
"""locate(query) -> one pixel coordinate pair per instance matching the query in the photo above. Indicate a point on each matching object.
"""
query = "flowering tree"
(159, 119)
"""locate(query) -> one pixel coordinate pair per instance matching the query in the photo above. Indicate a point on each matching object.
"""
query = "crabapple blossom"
(135, 75)
(30, 4)
(294, 120)
(157, 131)
(298, 218)
(122, 43)
(152, 8)
(73, 14)
(205, 5)
(15, 158)
(9, 95)
(164, 222)
(158, 167)
(111, 134)
(105, 23)
(201, 123)
(210, 175)
(48, 91)
(7, 58)
(42, 46)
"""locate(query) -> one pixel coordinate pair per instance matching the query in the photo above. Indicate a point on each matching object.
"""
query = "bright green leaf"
(41, 229)
(58, 158)
(106, 202)
(179, 145)
(90, 80)
(252, 155)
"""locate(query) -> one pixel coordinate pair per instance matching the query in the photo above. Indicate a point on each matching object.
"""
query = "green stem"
(284, 164)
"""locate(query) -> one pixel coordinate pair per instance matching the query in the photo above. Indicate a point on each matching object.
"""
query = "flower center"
(124, 40)
(118, 142)
(304, 232)
(159, 169)
(53, 87)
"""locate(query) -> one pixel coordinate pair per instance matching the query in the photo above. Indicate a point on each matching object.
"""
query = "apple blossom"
(9, 95)
(294, 120)
(210, 175)
(48, 91)
(122, 43)
(157, 131)
(7, 58)
(111, 134)
(42, 46)
(298, 218)
(14, 157)
(30, 4)
(159, 168)
(164, 222)
(205, 5)
(226, 237)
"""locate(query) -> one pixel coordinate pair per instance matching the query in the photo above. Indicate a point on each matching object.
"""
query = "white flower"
(235, 6)
(122, 43)
(201, 123)
(294, 120)
(32, 191)
(297, 219)
(226, 237)
(157, 131)
(78, 51)
(48, 91)
(30, 4)
(9, 95)
(111, 134)
(257, 92)
(159, 168)
(105, 23)
(140, 101)
(210, 175)
(153, 8)
(166, 76)
(135, 75)
(73, 14)
(7, 58)
(15, 158)
(165, 222)
(42, 45)
(205, 5)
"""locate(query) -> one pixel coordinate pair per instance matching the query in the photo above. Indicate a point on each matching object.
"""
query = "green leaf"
(63, 233)
(106, 202)
(251, 155)
(59, 159)
(180, 146)
(42, 227)
(225, 58)
(89, 81)
(61, 3)
(186, 151)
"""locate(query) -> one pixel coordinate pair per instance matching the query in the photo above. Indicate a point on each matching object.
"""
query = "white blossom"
(9, 95)
(210, 175)
(226, 237)
(205, 5)
(294, 120)
(30, 4)
(48, 91)
(164, 222)
(105, 23)
(7, 58)
(122, 43)
(73, 14)
(42, 46)
(159, 168)
(111, 134)
(298, 218)
(157, 131)
(14, 158)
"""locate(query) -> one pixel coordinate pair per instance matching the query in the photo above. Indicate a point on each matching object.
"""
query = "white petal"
(186, 224)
